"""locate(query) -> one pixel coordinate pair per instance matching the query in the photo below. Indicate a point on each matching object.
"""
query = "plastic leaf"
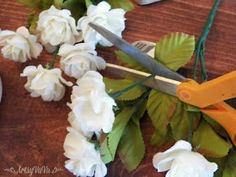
(220, 163)
(160, 109)
(175, 50)
(128, 61)
(32, 22)
(132, 148)
(30, 3)
(209, 143)
(58, 3)
(105, 152)
(116, 85)
(46, 4)
(113, 138)
(216, 126)
(88, 3)
(180, 122)
(77, 7)
(127, 5)
(230, 167)
(160, 139)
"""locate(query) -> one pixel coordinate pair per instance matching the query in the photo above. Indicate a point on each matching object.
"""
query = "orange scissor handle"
(225, 115)
(208, 93)
(209, 97)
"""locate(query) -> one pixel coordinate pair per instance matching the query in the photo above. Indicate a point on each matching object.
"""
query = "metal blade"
(166, 85)
(152, 65)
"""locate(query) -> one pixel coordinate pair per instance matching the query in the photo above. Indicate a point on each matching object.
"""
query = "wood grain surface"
(32, 132)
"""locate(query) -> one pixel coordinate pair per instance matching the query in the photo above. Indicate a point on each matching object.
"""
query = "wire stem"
(51, 64)
(200, 47)
(135, 84)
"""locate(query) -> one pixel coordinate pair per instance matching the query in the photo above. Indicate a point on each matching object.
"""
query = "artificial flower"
(113, 20)
(45, 83)
(91, 105)
(20, 45)
(77, 126)
(181, 161)
(80, 58)
(84, 159)
(57, 27)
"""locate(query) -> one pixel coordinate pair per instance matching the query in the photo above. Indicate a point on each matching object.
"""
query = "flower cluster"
(92, 113)
(56, 28)
(20, 45)
(91, 107)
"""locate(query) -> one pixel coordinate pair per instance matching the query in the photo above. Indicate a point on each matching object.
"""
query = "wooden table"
(32, 132)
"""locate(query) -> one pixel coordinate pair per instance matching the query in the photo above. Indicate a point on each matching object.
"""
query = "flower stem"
(200, 47)
(51, 64)
(190, 130)
(135, 84)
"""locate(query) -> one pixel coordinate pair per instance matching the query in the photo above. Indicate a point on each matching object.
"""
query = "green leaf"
(46, 4)
(230, 166)
(131, 148)
(77, 7)
(116, 85)
(30, 3)
(158, 139)
(105, 152)
(58, 3)
(113, 138)
(32, 22)
(160, 109)
(216, 126)
(220, 163)
(180, 121)
(127, 5)
(88, 3)
(128, 61)
(175, 50)
(209, 142)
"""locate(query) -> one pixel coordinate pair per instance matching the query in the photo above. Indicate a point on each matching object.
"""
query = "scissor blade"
(163, 84)
(148, 62)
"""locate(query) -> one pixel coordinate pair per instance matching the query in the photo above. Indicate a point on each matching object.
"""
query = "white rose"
(80, 58)
(182, 162)
(57, 27)
(113, 20)
(77, 126)
(45, 83)
(84, 160)
(91, 105)
(20, 45)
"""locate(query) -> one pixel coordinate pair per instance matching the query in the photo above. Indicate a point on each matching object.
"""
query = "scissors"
(208, 96)
(145, 2)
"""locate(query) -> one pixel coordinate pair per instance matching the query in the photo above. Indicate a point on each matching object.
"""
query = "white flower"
(20, 45)
(113, 20)
(57, 27)
(84, 160)
(91, 105)
(182, 162)
(77, 126)
(80, 58)
(45, 83)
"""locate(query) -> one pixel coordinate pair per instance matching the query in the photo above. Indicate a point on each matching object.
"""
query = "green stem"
(51, 64)
(135, 84)
(190, 130)
(200, 47)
